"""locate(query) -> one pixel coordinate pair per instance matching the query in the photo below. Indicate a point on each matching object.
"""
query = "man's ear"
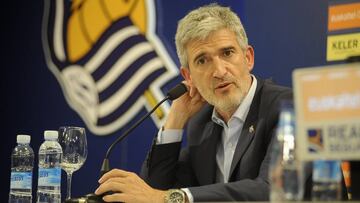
(185, 72)
(250, 56)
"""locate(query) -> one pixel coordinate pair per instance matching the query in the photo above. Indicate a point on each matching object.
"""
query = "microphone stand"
(173, 94)
(105, 165)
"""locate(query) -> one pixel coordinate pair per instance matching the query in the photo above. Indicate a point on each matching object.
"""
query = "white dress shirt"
(229, 137)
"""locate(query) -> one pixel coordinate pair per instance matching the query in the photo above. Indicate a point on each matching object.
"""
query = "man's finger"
(110, 186)
(113, 173)
(116, 197)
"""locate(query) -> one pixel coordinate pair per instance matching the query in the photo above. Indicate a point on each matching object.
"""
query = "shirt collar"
(244, 107)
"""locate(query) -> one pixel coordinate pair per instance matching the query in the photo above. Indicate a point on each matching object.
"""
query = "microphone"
(173, 94)
(176, 92)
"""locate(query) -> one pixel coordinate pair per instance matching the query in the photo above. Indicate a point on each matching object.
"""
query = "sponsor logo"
(344, 16)
(340, 47)
(315, 140)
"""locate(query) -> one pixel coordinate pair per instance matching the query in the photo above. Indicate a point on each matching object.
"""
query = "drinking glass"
(74, 145)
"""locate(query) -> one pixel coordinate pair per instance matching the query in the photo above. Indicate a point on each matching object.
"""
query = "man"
(230, 116)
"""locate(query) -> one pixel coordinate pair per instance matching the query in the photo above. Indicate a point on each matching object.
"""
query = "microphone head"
(177, 91)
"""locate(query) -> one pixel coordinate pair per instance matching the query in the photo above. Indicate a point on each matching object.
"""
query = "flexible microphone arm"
(174, 93)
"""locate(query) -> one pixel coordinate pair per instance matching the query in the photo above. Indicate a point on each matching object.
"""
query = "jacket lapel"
(247, 135)
(249, 128)
(206, 153)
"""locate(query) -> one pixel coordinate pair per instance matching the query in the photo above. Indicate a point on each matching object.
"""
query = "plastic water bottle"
(326, 180)
(22, 163)
(49, 178)
(286, 172)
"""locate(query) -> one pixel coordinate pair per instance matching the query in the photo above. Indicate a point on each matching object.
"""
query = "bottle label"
(325, 171)
(49, 176)
(21, 180)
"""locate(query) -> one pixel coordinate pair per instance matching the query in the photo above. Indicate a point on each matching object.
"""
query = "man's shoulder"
(270, 85)
(270, 90)
(269, 98)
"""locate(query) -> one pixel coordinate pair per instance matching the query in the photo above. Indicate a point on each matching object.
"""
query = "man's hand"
(183, 108)
(127, 187)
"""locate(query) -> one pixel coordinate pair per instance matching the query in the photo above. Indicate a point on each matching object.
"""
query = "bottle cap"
(24, 139)
(50, 135)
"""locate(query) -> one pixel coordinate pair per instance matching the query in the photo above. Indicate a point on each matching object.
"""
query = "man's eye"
(228, 52)
(201, 61)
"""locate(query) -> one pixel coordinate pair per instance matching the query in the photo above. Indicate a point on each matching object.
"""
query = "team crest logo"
(315, 140)
(107, 58)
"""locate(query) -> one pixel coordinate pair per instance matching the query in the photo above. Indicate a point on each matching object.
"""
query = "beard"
(228, 101)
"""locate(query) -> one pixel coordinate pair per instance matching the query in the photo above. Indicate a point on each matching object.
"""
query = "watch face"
(176, 197)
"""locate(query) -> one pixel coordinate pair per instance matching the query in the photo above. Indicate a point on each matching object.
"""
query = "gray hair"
(199, 23)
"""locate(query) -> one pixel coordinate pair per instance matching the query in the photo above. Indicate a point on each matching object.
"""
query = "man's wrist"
(159, 196)
(175, 120)
(174, 123)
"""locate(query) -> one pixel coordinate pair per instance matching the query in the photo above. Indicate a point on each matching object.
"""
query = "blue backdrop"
(285, 35)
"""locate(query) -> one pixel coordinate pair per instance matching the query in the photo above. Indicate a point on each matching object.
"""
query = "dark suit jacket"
(194, 167)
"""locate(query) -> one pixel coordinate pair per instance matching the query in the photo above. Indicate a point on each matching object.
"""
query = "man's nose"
(220, 69)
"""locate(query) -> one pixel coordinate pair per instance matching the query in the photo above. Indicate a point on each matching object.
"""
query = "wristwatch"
(175, 196)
